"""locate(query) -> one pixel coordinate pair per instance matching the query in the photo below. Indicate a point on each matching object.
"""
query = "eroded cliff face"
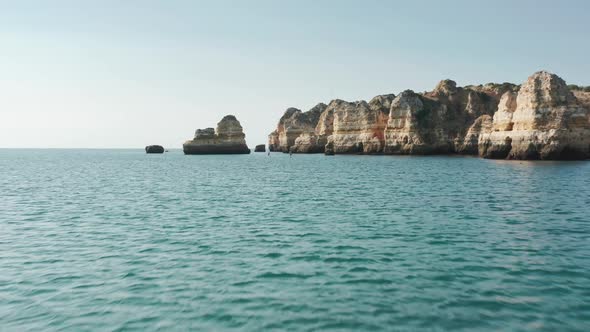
(541, 119)
(351, 127)
(405, 131)
(358, 127)
(445, 120)
(227, 138)
(273, 141)
(583, 97)
(546, 121)
(292, 125)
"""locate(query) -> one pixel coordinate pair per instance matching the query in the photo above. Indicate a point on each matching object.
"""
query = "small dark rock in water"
(154, 149)
(260, 148)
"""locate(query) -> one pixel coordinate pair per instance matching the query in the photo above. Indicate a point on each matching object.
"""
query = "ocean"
(117, 240)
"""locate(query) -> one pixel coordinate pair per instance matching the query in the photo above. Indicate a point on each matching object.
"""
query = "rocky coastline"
(227, 138)
(541, 119)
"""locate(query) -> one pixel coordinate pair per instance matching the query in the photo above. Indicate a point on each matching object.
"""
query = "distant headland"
(541, 119)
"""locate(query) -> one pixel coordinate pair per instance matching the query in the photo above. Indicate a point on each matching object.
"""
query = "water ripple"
(117, 240)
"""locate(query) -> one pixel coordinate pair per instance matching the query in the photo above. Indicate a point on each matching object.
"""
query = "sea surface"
(117, 240)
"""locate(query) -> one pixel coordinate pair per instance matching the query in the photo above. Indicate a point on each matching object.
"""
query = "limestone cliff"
(358, 126)
(227, 138)
(546, 121)
(293, 124)
(583, 96)
(542, 119)
(273, 141)
(445, 120)
(352, 127)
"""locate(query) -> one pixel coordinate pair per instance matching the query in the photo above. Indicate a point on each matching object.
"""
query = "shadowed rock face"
(228, 138)
(470, 143)
(545, 121)
(410, 125)
(307, 141)
(154, 149)
(540, 120)
(293, 124)
(273, 142)
(260, 148)
(445, 120)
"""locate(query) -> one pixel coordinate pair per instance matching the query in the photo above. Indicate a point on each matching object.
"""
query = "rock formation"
(583, 97)
(273, 141)
(292, 125)
(546, 121)
(228, 138)
(358, 127)
(355, 127)
(154, 149)
(260, 148)
(543, 119)
(445, 120)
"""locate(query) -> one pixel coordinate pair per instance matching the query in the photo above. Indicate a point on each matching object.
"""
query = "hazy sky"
(128, 73)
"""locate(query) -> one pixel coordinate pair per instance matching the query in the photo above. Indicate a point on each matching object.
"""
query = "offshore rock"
(154, 149)
(545, 121)
(227, 138)
(260, 148)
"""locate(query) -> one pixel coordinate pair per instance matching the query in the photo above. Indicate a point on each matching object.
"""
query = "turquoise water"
(101, 240)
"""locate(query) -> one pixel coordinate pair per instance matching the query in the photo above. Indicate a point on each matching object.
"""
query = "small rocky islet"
(543, 118)
(154, 149)
(227, 138)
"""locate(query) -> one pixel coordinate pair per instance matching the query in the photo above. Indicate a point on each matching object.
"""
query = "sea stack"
(541, 119)
(260, 148)
(154, 149)
(227, 138)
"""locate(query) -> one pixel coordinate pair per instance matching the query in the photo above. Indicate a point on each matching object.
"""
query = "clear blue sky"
(127, 73)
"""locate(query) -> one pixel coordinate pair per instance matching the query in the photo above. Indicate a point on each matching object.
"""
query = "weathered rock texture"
(583, 97)
(546, 121)
(445, 120)
(228, 138)
(358, 127)
(542, 119)
(154, 149)
(292, 125)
